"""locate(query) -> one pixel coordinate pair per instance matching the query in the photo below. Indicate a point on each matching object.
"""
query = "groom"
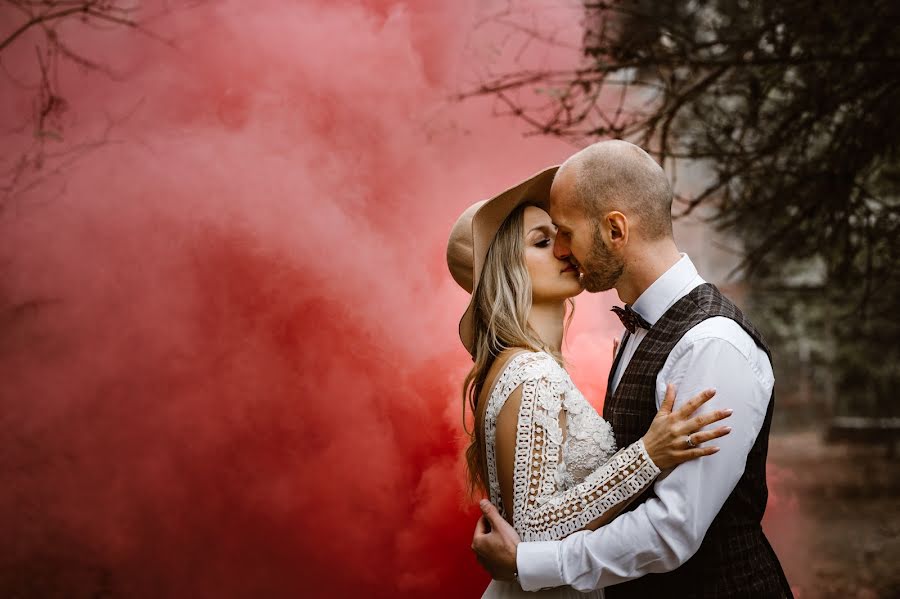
(697, 532)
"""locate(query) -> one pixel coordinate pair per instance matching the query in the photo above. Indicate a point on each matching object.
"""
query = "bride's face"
(552, 279)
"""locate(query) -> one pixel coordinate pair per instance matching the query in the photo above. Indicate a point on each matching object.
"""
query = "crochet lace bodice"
(562, 479)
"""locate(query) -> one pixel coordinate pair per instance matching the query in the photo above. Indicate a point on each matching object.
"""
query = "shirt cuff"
(538, 565)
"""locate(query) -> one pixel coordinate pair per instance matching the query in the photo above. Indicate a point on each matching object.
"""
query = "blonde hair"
(502, 304)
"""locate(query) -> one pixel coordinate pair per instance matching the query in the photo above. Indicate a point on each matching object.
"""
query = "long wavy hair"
(502, 305)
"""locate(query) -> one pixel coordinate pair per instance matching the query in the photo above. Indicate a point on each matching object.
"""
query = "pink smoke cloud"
(229, 344)
(230, 360)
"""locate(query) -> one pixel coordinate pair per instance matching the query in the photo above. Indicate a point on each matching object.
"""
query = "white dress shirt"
(665, 531)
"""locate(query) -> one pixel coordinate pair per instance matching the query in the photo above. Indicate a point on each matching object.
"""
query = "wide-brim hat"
(476, 228)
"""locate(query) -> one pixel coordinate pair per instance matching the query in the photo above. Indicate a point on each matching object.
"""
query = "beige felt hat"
(474, 231)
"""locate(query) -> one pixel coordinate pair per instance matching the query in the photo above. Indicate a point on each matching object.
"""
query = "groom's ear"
(617, 228)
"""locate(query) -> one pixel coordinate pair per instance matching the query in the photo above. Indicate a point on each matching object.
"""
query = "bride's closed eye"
(543, 243)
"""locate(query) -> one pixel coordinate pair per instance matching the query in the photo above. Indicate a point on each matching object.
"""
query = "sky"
(228, 344)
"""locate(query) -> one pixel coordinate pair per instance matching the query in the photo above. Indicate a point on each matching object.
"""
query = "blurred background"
(227, 331)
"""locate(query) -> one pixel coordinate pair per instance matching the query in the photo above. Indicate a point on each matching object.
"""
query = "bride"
(539, 450)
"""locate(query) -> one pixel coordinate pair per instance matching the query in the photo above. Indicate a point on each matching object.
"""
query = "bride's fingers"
(695, 424)
(695, 402)
(699, 452)
(669, 400)
(704, 436)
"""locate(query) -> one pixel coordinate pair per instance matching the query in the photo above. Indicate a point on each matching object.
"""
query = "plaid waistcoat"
(735, 558)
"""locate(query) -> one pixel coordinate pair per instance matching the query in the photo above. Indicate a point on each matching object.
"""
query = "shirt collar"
(665, 290)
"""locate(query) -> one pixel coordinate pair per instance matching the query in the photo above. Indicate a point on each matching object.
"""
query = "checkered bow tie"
(631, 320)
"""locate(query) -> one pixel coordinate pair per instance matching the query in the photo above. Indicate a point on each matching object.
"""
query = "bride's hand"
(673, 438)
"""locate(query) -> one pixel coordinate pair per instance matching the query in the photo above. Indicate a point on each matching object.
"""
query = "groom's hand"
(494, 543)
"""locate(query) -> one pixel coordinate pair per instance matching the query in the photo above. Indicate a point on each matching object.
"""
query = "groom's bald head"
(618, 176)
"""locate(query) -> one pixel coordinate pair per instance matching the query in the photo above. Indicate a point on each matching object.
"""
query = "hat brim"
(485, 224)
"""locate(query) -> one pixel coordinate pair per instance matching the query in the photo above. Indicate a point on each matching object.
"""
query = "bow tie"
(631, 320)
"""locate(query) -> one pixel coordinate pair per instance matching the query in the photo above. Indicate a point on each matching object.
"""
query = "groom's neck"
(644, 265)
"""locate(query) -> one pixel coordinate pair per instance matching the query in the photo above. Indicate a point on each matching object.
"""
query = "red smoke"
(228, 347)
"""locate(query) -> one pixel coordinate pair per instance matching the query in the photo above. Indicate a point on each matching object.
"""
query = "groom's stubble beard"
(603, 268)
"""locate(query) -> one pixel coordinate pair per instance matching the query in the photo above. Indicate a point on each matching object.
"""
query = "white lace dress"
(576, 474)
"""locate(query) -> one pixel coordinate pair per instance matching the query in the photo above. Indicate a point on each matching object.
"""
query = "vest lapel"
(612, 370)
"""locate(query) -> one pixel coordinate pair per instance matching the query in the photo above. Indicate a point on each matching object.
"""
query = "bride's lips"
(569, 268)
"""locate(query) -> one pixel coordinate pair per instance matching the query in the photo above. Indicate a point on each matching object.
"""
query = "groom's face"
(579, 239)
(602, 268)
(573, 231)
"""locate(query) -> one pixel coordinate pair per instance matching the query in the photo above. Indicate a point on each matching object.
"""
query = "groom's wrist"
(538, 565)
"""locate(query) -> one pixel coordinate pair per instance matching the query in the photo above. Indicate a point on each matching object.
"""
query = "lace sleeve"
(541, 510)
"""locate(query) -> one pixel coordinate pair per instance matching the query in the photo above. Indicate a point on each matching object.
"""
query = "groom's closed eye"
(561, 228)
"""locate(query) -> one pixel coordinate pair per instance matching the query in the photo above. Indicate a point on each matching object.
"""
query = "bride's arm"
(528, 446)
(528, 450)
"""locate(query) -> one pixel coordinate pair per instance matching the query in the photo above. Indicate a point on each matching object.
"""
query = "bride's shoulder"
(519, 364)
(514, 358)
(507, 362)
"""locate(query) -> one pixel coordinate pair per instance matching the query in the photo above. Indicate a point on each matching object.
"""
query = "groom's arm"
(665, 531)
